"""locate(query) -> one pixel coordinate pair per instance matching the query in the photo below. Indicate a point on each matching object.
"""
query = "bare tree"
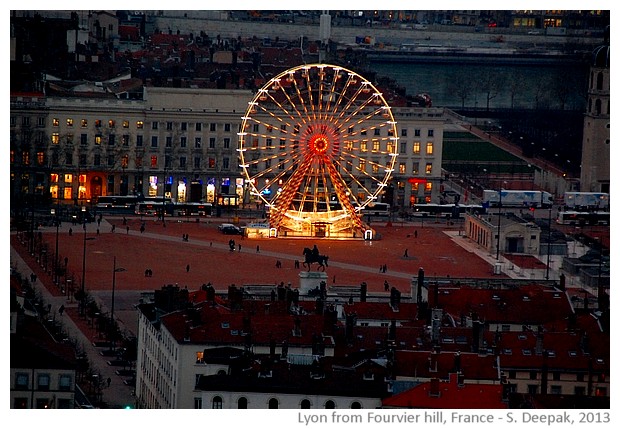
(461, 87)
(490, 84)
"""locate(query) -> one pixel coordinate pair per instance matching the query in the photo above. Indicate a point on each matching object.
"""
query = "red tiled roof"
(418, 364)
(449, 395)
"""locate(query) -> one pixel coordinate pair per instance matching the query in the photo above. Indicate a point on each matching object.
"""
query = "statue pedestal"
(309, 280)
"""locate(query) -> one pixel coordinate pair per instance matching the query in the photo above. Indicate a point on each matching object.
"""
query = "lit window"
(69, 122)
(40, 158)
(98, 139)
(125, 161)
(55, 138)
(362, 165)
(429, 168)
(68, 178)
(197, 142)
(416, 147)
(375, 167)
(429, 148)
(428, 187)
(97, 123)
(376, 146)
(402, 168)
(84, 123)
(139, 124)
(111, 123)
(153, 161)
(364, 146)
(125, 124)
(391, 147)
(55, 122)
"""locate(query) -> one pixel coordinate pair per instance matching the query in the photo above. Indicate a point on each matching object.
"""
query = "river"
(543, 86)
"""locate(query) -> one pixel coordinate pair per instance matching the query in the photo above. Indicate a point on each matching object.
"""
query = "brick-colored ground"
(206, 252)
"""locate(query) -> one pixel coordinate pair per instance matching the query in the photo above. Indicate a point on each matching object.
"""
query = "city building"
(595, 158)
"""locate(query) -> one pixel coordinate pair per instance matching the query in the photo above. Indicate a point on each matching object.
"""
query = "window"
(40, 158)
(98, 138)
(55, 122)
(431, 133)
(84, 123)
(417, 132)
(376, 146)
(363, 145)
(197, 403)
(212, 143)
(20, 403)
(403, 132)
(64, 382)
(139, 125)
(355, 405)
(43, 381)
(168, 141)
(532, 389)
(403, 147)
(197, 142)
(227, 127)
(55, 138)
(125, 124)
(273, 404)
(154, 141)
(26, 158)
(377, 131)
(26, 121)
(213, 127)
(242, 403)
(154, 125)
(402, 168)
(225, 163)
(183, 141)
(429, 148)
(111, 139)
(198, 126)
(111, 123)
(362, 165)
(139, 140)
(69, 122)
(125, 161)
(69, 158)
(111, 160)
(416, 148)
(428, 187)
(305, 404)
(227, 143)
(182, 161)
(330, 405)
(138, 162)
(21, 381)
(429, 168)
(415, 168)
(217, 403)
(196, 162)
(40, 121)
(556, 390)
(533, 375)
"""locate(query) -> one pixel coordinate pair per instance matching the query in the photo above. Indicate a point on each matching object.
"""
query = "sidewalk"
(117, 395)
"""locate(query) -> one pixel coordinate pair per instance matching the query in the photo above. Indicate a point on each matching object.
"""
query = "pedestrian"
(113, 227)
(70, 231)
(240, 247)
(296, 263)
(386, 285)
(257, 248)
(142, 228)
(186, 237)
(406, 255)
(187, 268)
(124, 220)
(127, 229)
(97, 231)
(61, 309)
(415, 234)
(384, 268)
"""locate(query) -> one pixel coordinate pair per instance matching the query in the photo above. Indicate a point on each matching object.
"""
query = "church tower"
(595, 153)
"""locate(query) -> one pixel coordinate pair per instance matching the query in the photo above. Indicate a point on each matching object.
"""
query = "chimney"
(434, 389)
(562, 282)
(363, 291)
(349, 325)
(476, 335)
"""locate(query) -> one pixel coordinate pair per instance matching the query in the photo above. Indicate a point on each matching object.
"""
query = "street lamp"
(54, 212)
(116, 270)
(83, 300)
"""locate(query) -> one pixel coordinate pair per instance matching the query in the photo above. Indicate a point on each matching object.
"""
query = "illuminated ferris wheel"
(317, 145)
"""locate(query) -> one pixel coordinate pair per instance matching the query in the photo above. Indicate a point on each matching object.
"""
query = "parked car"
(229, 229)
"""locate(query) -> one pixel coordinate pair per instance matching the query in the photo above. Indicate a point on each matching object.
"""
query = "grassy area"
(459, 146)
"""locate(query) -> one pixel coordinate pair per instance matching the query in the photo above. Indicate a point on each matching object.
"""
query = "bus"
(117, 203)
(453, 211)
(576, 218)
(192, 209)
(376, 209)
(154, 207)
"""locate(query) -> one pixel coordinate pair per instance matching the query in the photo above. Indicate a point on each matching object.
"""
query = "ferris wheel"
(317, 145)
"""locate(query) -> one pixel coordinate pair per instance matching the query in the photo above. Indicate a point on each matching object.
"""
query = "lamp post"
(116, 270)
(548, 244)
(499, 223)
(83, 300)
(54, 212)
